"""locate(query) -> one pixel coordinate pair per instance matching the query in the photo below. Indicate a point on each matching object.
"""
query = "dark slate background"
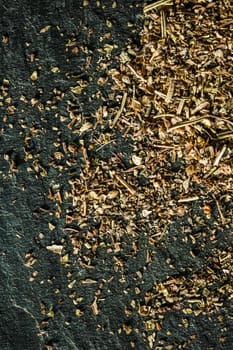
(23, 192)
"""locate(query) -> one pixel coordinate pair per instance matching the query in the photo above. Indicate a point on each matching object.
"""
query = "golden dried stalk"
(120, 110)
(187, 123)
(125, 184)
(219, 156)
(163, 25)
(188, 199)
(157, 4)
(225, 135)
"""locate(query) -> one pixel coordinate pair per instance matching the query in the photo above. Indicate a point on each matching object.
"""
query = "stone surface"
(24, 322)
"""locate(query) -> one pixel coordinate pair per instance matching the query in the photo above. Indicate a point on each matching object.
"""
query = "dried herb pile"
(156, 179)
(153, 199)
(178, 109)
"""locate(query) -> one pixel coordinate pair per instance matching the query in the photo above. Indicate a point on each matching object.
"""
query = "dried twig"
(135, 73)
(199, 107)
(210, 172)
(223, 219)
(115, 120)
(227, 121)
(187, 123)
(216, 162)
(165, 146)
(225, 135)
(163, 25)
(158, 116)
(188, 199)
(219, 156)
(170, 92)
(181, 106)
(160, 94)
(125, 184)
(157, 4)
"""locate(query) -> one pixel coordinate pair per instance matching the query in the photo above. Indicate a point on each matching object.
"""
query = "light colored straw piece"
(115, 120)
(188, 199)
(125, 184)
(157, 4)
(219, 156)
